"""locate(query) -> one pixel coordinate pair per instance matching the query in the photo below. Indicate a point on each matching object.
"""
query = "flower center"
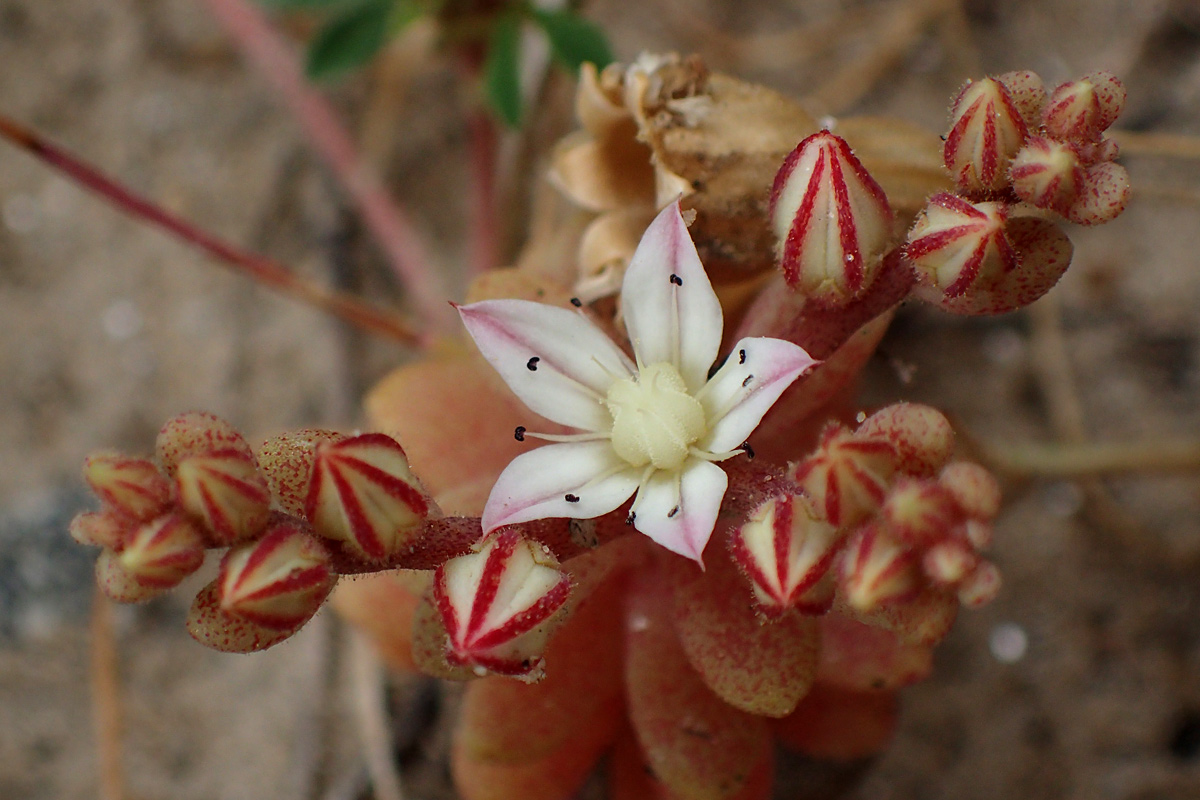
(655, 420)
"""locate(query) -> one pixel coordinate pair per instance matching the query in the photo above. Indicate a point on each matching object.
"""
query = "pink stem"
(391, 227)
(259, 268)
(485, 229)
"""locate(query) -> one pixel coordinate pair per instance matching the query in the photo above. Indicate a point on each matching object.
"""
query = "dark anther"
(747, 449)
(675, 279)
(519, 433)
(632, 516)
(571, 498)
(671, 514)
(531, 364)
(575, 301)
(746, 382)
(741, 356)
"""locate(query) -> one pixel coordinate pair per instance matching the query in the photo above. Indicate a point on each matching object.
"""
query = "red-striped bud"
(786, 553)
(224, 491)
(1047, 173)
(832, 220)
(363, 493)
(279, 581)
(163, 552)
(876, 569)
(196, 433)
(1083, 109)
(132, 487)
(847, 476)
(921, 436)
(956, 245)
(287, 462)
(974, 489)
(981, 586)
(120, 586)
(919, 513)
(986, 131)
(950, 562)
(102, 529)
(499, 605)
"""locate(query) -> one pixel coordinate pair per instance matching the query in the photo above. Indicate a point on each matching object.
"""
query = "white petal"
(535, 485)
(678, 510)
(747, 385)
(671, 311)
(555, 360)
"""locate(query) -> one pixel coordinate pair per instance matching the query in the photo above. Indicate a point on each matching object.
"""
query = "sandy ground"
(1082, 680)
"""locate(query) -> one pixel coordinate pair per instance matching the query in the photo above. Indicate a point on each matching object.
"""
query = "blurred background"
(1082, 680)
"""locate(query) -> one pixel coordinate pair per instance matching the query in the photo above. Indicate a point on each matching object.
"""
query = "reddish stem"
(259, 268)
(388, 223)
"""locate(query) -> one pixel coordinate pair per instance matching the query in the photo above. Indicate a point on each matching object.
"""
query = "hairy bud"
(921, 436)
(287, 462)
(163, 552)
(876, 569)
(102, 529)
(847, 476)
(986, 131)
(1047, 173)
(225, 492)
(832, 220)
(132, 487)
(499, 604)
(1081, 110)
(196, 433)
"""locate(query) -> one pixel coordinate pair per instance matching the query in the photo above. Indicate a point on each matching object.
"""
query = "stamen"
(675, 279)
(741, 356)
(746, 382)
(630, 519)
(704, 455)
(571, 498)
(519, 433)
(747, 449)
(575, 301)
(562, 437)
(671, 514)
(532, 363)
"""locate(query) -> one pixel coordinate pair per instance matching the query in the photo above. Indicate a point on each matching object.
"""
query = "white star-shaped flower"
(656, 425)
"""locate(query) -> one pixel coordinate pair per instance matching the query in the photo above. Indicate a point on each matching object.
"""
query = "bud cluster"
(876, 518)
(310, 505)
(1016, 153)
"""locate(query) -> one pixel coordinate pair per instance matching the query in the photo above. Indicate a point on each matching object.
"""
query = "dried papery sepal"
(196, 433)
(287, 461)
(1083, 109)
(225, 492)
(760, 666)
(363, 493)
(831, 219)
(847, 476)
(877, 570)
(1047, 173)
(499, 605)
(106, 529)
(1104, 193)
(921, 436)
(920, 512)
(213, 626)
(974, 259)
(956, 245)
(974, 489)
(279, 581)
(132, 487)
(163, 552)
(785, 552)
(986, 130)
(1028, 94)
(981, 586)
(120, 586)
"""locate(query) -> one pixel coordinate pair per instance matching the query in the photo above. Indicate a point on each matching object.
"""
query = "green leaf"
(573, 39)
(501, 71)
(349, 40)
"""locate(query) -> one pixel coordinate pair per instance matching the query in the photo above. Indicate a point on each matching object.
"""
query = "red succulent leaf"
(196, 433)
(118, 584)
(363, 493)
(213, 626)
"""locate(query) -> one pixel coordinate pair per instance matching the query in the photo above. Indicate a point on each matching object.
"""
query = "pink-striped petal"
(555, 360)
(757, 371)
(579, 480)
(671, 311)
(678, 510)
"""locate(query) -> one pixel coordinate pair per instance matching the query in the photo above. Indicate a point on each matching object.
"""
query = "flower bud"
(163, 552)
(102, 529)
(363, 493)
(920, 513)
(785, 552)
(132, 487)
(832, 220)
(956, 245)
(848, 475)
(981, 586)
(196, 433)
(498, 605)
(876, 569)
(279, 581)
(1104, 192)
(986, 131)
(949, 562)
(212, 626)
(120, 586)
(1047, 173)
(1081, 110)
(973, 488)
(225, 492)
(287, 462)
(921, 436)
